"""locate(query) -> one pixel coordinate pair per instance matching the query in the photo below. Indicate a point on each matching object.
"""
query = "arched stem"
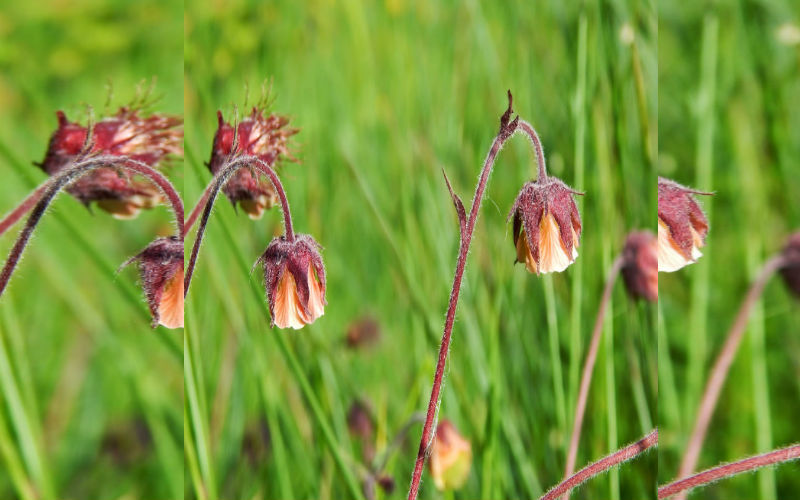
(721, 366)
(588, 368)
(603, 465)
(507, 130)
(78, 169)
(211, 193)
(23, 208)
(537, 146)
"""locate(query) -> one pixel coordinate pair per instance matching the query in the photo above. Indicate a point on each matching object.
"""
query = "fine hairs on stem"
(631, 451)
(721, 366)
(588, 368)
(210, 195)
(725, 471)
(78, 169)
(507, 129)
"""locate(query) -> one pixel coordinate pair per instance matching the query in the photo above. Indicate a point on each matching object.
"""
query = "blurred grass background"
(89, 405)
(729, 85)
(387, 94)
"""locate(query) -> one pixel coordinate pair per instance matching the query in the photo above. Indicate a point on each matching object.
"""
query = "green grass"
(386, 96)
(90, 400)
(727, 84)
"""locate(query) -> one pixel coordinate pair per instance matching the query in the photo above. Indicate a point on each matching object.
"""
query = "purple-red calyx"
(547, 225)
(294, 277)
(640, 265)
(791, 268)
(265, 136)
(161, 272)
(682, 226)
(148, 139)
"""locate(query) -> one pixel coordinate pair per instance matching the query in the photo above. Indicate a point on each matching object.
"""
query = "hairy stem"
(210, 196)
(78, 169)
(721, 366)
(728, 470)
(603, 465)
(588, 368)
(197, 210)
(23, 208)
(537, 146)
(507, 130)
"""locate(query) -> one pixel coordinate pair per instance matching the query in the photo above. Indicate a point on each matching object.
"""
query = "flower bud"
(294, 277)
(126, 134)
(451, 457)
(161, 270)
(640, 265)
(547, 226)
(682, 226)
(791, 269)
(263, 136)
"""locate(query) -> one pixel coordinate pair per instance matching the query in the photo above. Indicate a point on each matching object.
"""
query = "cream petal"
(669, 257)
(122, 209)
(316, 307)
(254, 208)
(552, 254)
(287, 310)
(170, 309)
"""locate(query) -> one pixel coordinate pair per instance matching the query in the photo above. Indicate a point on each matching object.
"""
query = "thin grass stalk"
(198, 420)
(23, 208)
(588, 368)
(603, 465)
(725, 471)
(721, 366)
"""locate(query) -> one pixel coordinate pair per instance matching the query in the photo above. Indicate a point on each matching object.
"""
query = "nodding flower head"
(148, 139)
(294, 277)
(791, 268)
(265, 136)
(161, 270)
(682, 226)
(640, 265)
(547, 226)
(451, 457)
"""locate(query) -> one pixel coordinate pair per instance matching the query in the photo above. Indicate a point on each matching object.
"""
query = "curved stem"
(195, 213)
(728, 470)
(721, 366)
(588, 368)
(23, 208)
(602, 465)
(58, 182)
(506, 132)
(537, 146)
(210, 196)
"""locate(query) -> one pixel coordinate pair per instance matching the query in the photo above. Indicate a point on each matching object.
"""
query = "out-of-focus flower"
(148, 139)
(294, 277)
(256, 441)
(547, 226)
(127, 442)
(788, 34)
(682, 226)
(265, 136)
(451, 457)
(364, 331)
(359, 421)
(640, 265)
(791, 269)
(161, 269)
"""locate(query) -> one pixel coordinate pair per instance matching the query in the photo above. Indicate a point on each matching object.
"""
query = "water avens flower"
(640, 265)
(161, 271)
(682, 226)
(294, 277)
(261, 135)
(146, 139)
(791, 268)
(451, 457)
(547, 226)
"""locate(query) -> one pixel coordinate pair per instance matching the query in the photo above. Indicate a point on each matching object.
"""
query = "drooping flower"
(161, 271)
(148, 139)
(791, 269)
(682, 226)
(294, 277)
(265, 136)
(451, 457)
(640, 265)
(547, 226)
